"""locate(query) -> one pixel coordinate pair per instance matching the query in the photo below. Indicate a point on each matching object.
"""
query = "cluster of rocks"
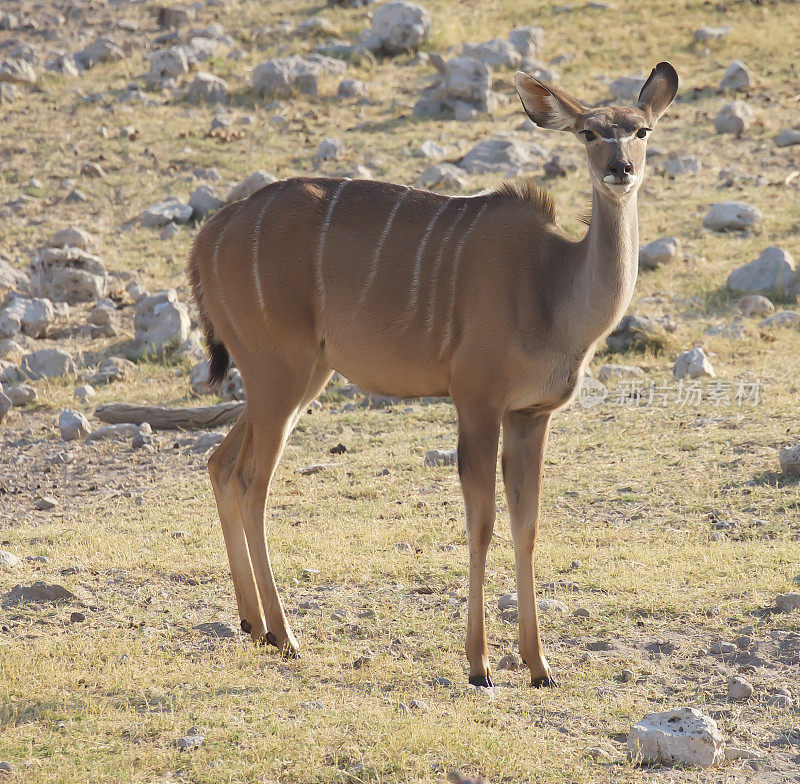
(463, 87)
(282, 77)
(171, 212)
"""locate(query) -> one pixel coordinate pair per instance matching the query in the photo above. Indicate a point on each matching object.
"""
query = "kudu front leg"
(478, 434)
(524, 441)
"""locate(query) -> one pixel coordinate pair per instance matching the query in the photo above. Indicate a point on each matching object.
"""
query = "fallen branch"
(161, 418)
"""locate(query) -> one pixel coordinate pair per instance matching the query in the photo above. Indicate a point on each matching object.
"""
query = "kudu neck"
(608, 263)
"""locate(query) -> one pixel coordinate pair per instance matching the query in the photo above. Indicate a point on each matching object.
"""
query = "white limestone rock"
(32, 316)
(683, 736)
(462, 80)
(528, 40)
(441, 457)
(734, 118)
(72, 237)
(68, 275)
(48, 363)
(165, 65)
(73, 425)
(736, 77)
(706, 34)
(281, 77)
(692, 364)
(12, 278)
(249, 185)
(773, 271)
(783, 318)
(659, 252)
(755, 305)
(204, 200)
(626, 89)
(170, 210)
(443, 175)
(789, 458)
(330, 149)
(732, 216)
(503, 153)
(160, 321)
(494, 53)
(207, 88)
(103, 49)
(679, 165)
(397, 27)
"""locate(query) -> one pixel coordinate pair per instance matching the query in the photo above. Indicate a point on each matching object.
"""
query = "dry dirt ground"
(671, 526)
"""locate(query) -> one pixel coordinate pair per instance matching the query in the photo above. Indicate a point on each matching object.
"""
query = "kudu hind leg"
(478, 432)
(279, 406)
(524, 441)
(220, 468)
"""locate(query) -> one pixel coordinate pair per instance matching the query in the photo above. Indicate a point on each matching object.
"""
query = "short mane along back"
(525, 189)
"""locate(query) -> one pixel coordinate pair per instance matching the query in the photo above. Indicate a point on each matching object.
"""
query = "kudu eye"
(642, 133)
(590, 136)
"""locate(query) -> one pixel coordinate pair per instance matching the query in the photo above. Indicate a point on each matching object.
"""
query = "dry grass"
(628, 494)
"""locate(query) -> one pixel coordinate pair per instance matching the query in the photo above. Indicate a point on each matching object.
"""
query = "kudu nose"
(620, 169)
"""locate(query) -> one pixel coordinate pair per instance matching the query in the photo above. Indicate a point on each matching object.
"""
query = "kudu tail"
(218, 355)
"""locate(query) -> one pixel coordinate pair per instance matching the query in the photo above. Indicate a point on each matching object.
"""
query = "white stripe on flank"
(438, 263)
(421, 251)
(384, 234)
(256, 241)
(214, 258)
(321, 246)
(452, 307)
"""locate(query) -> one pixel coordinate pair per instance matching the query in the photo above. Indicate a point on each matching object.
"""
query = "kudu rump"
(406, 292)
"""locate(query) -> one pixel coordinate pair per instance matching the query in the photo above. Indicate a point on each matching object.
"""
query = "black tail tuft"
(219, 359)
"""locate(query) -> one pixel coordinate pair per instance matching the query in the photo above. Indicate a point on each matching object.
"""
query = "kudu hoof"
(484, 681)
(544, 683)
(287, 651)
(247, 627)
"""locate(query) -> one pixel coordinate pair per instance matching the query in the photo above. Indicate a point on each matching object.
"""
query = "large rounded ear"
(659, 90)
(547, 106)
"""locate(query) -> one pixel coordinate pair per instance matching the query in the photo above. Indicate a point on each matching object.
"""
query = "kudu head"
(615, 136)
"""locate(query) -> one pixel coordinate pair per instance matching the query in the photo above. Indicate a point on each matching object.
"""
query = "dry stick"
(161, 418)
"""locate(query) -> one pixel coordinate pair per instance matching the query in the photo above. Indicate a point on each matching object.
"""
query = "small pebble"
(45, 503)
(739, 689)
(719, 647)
(627, 676)
(190, 742)
(744, 642)
(781, 699)
(582, 612)
(511, 661)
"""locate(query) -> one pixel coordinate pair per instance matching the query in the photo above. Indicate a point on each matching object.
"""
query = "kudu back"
(409, 293)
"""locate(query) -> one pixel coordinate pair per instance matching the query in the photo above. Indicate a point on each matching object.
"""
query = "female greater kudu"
(411, 293)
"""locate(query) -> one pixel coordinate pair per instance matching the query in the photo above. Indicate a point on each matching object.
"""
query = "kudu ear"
(659, 90)
(547, 106)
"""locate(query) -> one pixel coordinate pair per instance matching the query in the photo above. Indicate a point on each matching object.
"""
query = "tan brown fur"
(412, 293)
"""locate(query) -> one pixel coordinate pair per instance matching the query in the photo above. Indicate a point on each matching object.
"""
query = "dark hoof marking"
(286, 652)
(247, 627)
(485, 681)
(544, 683)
